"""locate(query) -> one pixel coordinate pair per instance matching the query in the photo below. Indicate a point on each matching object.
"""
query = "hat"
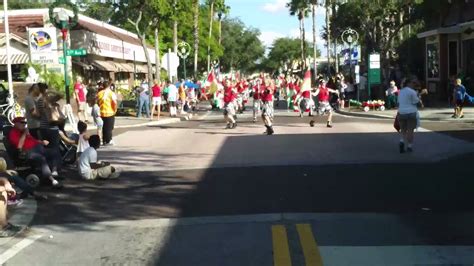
(19, 119)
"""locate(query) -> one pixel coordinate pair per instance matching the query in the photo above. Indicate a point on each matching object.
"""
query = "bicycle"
(11, 109)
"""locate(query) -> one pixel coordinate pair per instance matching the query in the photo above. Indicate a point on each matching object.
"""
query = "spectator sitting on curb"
(12, 176)
(89, 166)
(8, 229)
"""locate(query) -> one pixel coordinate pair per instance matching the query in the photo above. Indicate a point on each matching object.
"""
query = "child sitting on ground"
(95, 113)
(90, 167)
(83, 141)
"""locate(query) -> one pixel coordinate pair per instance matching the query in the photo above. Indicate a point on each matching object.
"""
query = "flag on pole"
(306, 86)
(211, 83)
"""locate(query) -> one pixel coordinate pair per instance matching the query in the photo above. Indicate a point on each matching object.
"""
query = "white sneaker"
(115, 174)
(54, 174)
(55, 182)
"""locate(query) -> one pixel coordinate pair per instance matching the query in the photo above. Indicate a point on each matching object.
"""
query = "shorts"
(460, 103)
(156, 101)
(82, 106)
(102, 172)
(229, 109)
(267, 109)
(407, 122)
(324, 108)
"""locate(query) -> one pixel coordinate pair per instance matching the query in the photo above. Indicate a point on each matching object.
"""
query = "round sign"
(350, 36)
(184, 49)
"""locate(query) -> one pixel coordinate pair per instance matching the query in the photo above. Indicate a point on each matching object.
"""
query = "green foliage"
(242, 47)
(283, 52)
(22, 4)
(99, 11)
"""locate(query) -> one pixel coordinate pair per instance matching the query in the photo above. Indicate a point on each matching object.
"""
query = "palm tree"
(222, 10)
(299, 8)
(314, 3)
(175, 26)
(211, 19)
(196, 35)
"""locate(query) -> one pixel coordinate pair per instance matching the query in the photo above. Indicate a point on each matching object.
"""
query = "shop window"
(453, 58)
(468, 55)
(432, 57)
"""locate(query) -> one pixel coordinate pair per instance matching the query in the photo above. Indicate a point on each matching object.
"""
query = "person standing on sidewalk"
(108, 107)
(156, 100)
(459, 95)
(144, 99)
(407, 113)
(31, 112)
(172, 98)
(391, 94)
(80, 94)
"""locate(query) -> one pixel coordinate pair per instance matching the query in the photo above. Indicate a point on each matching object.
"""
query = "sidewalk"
(426, 114)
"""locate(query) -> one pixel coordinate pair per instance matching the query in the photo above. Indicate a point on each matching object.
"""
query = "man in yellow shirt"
(107, 100)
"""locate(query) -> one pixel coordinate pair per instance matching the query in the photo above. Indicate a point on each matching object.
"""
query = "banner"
(43, 45)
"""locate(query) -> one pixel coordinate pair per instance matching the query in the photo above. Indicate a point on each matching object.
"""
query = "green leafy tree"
(196, 8)
(242, 47)
(283, 54)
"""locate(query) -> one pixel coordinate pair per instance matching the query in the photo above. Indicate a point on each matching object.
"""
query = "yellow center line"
(281, 249)
(311, 253)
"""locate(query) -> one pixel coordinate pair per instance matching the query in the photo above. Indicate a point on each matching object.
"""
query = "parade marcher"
(267, 107)
(229, 105)
(257, 102)
(323, 93)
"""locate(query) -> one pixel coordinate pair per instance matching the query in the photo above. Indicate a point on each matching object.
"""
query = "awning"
(83, 65)
(142, 68)
(104, 65)
(445, 30)
(124, 67)
(16, 59)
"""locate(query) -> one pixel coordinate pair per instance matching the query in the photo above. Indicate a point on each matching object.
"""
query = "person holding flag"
(304, 100)
(257, 95)
(323, 93)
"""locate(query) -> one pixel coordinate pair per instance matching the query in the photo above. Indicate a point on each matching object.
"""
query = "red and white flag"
(306, 86)
(211, 83)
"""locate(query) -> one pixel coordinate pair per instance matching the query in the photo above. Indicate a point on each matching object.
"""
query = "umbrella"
(190, 84)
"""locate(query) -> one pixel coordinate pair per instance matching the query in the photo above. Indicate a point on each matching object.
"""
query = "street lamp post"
(62, 21)
(350, 36)
(183, 52)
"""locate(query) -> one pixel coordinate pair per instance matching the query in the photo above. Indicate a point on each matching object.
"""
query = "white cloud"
(267, 37)
(275, 7)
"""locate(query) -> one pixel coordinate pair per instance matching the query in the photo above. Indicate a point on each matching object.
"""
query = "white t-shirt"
(407, 101)
(87, 157)
(82, 144)
(172, 93)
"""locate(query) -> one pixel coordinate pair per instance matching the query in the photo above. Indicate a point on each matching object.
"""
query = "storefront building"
(112, 53)
(449, 51)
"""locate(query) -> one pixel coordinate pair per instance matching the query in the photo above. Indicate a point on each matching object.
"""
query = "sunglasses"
(21, 122)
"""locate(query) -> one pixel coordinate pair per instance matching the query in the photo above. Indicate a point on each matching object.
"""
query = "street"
(193, 193)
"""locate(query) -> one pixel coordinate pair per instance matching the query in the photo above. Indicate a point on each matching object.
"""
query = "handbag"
(396, 123)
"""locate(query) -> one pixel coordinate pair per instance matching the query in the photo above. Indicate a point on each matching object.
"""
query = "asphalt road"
(193, 193)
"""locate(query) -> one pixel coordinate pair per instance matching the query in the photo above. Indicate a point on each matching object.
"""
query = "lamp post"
(183, 52)
(7, 41)
(62, 21)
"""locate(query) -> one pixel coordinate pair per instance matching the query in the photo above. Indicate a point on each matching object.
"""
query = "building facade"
(112, 53)
(449, 49)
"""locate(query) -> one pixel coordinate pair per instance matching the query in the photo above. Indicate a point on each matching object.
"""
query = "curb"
(386, 117)
(22, 215)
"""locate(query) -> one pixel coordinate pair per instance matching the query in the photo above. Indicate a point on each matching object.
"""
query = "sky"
(273, 19)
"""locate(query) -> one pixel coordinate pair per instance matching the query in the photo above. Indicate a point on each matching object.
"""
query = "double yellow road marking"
(281, 248)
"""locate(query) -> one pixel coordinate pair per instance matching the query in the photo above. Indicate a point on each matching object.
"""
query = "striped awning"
(82, 64)
(104, 65)
(124, 67)
(142, 68)
(16, 59)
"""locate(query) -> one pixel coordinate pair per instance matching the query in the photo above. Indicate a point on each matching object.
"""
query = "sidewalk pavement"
(426, 114)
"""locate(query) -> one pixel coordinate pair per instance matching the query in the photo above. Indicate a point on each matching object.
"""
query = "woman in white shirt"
(407, 113)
